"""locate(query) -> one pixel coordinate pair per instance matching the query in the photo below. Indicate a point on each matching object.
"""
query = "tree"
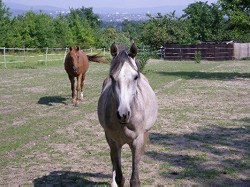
(36, 30)
(83, 34)
(13, 36)
(238, 13)
(206, 22)
(83, 25)
(63, 34)
(109, 35)
(164, 29)
(86, 14)
(4, 23)
(133, 30)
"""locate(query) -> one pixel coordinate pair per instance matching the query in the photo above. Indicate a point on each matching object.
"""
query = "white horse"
(127, 109)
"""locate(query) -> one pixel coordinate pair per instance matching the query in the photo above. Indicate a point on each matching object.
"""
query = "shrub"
(197, 56)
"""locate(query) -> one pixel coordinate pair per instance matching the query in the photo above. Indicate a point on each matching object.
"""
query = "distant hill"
(17, 9)
(153, 10)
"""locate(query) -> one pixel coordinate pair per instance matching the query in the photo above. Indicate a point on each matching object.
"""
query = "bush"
(197, 56)
(143, 58)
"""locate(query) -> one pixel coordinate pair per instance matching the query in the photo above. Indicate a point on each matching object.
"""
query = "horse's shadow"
(50, 100)
(69, 178)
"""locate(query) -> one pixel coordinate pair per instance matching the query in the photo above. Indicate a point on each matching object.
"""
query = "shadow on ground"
(72, 179)
(206, 75)
(51, 100)
(213, 155)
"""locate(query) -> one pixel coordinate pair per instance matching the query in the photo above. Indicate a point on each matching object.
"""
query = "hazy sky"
(107, 3)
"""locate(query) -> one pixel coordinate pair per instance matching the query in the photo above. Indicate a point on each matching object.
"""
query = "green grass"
(200, 137)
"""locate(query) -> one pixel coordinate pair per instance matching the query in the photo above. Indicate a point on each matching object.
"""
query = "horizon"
(106, 3)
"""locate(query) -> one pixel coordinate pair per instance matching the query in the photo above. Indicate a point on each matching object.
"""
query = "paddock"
(201, 136)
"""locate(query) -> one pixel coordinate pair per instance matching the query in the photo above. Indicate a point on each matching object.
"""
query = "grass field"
(201, 136)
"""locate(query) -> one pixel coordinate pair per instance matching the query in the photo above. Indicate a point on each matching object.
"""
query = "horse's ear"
(77, 48)
(113, 50)
(133, 51)
(70, 48)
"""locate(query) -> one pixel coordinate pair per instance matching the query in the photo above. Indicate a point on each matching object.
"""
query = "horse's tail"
(96, 58)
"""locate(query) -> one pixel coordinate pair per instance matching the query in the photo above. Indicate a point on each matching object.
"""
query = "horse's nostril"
(118, 115)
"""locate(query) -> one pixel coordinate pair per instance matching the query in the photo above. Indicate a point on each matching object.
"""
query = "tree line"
(225, 20)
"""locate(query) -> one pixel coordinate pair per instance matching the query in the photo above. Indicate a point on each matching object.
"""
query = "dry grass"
(201, 136)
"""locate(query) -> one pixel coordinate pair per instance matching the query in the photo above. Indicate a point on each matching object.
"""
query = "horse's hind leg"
(137, 148)
(115, 153)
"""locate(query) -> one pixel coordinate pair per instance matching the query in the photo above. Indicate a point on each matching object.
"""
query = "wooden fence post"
(65, 53)
(24, 54)
(46, 56)
(4, 57)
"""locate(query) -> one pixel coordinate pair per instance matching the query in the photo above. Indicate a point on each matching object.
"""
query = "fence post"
(4, 57)
(24, 54)
(46, 56)
(65, 53)
(104, 51)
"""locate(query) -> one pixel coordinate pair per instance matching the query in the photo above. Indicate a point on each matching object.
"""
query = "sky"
(108, 3)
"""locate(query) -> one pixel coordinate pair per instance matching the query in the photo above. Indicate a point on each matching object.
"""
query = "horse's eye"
(136, 77)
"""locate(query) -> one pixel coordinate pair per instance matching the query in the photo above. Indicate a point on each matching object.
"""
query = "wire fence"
(43, 55)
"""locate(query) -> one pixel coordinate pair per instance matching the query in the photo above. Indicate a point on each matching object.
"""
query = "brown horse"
(76, 65)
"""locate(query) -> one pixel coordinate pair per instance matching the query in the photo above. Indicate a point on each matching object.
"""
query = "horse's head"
(74, 58)
(124, 74)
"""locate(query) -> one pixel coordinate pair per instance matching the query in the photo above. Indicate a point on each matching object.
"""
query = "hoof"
(77, 102)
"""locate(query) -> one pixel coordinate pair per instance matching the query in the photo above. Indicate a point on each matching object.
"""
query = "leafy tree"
(164, 29)
(238, 13)
(206, 22)
(14, 37)
(37, 30)
(86, 14)
(83, 34)
(44, 31)
(63, 34)
(109, 35)
(4, 23)
(133, 30)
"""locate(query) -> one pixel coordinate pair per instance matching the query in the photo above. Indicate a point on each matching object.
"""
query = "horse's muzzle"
(75, 69)
(123, 117)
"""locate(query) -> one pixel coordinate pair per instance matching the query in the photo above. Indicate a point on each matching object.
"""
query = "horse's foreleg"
(72, 82)
(115, 154)
(82, 84)
(78, 89)
(137, 148)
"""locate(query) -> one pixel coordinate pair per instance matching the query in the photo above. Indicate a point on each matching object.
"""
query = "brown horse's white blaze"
(127, 109)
